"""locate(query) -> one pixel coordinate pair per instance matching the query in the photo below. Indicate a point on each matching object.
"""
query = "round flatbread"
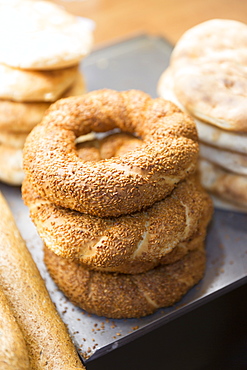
(231, 161)
(209, 134)
(41, 35)
(16, 140)
(19, 117)
(11, 165)
(209, 72)
(227, 186)
(35, 86)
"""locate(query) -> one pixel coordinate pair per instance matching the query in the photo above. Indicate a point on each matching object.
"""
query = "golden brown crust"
(126, 296)
(49, 345)
(119, 185)
(13, 350)
(129, 243)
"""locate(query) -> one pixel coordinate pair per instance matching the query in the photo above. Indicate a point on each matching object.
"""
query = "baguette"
(13, 350)
(46, 336)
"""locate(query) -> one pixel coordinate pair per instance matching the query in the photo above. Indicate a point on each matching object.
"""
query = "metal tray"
(138, 63)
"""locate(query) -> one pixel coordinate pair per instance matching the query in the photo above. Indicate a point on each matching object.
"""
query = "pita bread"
(223, 204)
(19, 117)
(224, 184)
(209, 66)
(35, 86)
(11, 165)
(41, 35)
(231, 161)
(209, 134)
(16, 140)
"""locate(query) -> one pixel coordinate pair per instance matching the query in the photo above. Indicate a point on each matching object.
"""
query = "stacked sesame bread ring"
(118, 185)
(152, 242)
(39, 64)
(133, 243)
(126, 296)
(207, 78)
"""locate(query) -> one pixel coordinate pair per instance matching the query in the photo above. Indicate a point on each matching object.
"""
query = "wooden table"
(116, 19)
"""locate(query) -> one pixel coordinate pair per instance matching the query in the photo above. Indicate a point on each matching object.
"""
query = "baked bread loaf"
(47, 339)
(13, 349)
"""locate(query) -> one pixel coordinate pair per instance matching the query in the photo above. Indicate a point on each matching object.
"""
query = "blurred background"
(168, 18)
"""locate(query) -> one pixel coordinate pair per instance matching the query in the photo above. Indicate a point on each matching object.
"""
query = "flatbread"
(35, 86)
(231, 161)
(209, 134)
(11, 165)
(16, 140)
(224, 184)
(41, 35)
(19, 117)
(225, 205)
(209, 66)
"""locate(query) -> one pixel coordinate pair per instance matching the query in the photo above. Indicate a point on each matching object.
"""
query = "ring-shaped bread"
(114, 186)
(126, 296)
(129, 243)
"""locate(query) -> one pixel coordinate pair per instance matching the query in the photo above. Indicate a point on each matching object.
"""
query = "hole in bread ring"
(118, 185)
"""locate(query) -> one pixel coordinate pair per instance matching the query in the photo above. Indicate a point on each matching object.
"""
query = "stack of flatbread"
(41, 46)
(207, 77)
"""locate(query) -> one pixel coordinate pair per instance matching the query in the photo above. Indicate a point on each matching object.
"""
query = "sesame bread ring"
(118, 185)
(126, 296)
(129, 243)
